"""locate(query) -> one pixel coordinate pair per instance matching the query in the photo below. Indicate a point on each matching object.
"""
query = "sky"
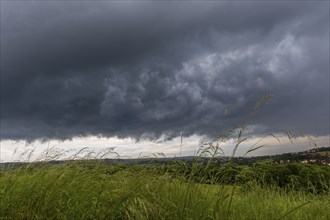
(135, 74)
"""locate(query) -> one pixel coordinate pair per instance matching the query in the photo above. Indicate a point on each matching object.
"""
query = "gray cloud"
(143, 69)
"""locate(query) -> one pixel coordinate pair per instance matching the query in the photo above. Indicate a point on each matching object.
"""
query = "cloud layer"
(146, 69)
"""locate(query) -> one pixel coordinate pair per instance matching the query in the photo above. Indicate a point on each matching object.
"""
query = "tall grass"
(96, 191)
(85, 188)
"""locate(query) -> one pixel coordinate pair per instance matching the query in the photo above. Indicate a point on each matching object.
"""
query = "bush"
(306, 177)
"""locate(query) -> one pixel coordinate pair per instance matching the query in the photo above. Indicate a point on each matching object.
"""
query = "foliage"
(204, 188)
(92, 190)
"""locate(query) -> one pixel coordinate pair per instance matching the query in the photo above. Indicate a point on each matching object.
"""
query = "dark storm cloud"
(142, 69)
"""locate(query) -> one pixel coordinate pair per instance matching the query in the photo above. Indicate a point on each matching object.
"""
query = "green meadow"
(93, 190)
(204, 187)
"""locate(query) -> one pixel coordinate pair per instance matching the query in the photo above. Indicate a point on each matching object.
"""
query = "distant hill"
(321, 154)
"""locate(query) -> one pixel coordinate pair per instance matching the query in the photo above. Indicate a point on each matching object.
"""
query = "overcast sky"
(145, 70)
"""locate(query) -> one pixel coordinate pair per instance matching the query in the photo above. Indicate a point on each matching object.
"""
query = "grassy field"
(89, 190)
(324, 153)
